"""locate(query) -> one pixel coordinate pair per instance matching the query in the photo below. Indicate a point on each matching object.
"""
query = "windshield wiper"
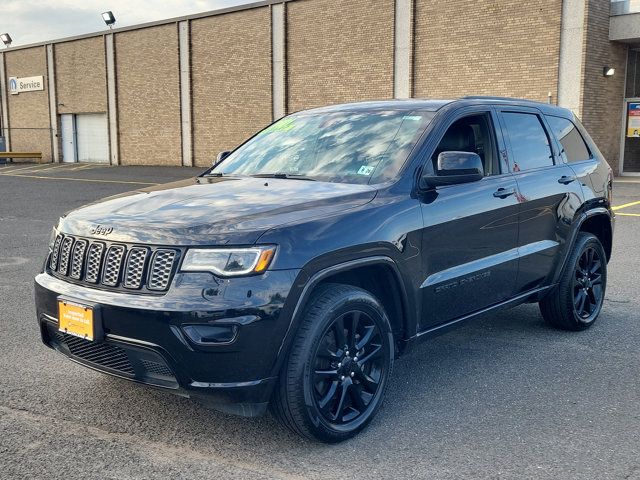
(222, 174)
(294, 176)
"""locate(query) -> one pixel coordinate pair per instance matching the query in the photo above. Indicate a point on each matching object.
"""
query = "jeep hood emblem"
(100, 230)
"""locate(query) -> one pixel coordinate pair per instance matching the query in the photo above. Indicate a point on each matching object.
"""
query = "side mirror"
(221, 156)
(454, 168)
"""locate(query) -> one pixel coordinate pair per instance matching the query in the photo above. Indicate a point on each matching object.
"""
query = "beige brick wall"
(147, 77)
(29, 111)
(336, 51)
(81, 85)
(602, 97)
(339, 51)
(231, 80)
(500, 47)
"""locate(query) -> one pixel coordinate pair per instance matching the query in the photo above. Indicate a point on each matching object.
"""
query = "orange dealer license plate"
(75, 319)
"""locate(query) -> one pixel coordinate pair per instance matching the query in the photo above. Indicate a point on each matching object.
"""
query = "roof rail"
(493, 97)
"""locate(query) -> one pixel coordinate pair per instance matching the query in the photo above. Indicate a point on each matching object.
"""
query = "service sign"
(25, 84)
(633, 122)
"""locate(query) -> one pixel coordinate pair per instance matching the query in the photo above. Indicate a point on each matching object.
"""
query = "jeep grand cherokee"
(297, 268)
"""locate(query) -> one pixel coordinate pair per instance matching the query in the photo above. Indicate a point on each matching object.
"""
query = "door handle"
(566, 179)
(504, 192)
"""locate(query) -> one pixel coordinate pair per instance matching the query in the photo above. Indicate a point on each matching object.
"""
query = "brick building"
(177, 91)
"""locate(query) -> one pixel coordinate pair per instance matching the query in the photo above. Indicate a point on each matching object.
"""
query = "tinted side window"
(473, 134)
(529, 141)
(573, 147)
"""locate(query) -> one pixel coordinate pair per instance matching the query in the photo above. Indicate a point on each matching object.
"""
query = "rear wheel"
(577, 300)
(337, 371)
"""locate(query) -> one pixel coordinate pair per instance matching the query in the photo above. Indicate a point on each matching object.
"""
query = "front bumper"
(145, 339)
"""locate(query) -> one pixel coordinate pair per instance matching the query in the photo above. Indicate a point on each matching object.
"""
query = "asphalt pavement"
(503, 397)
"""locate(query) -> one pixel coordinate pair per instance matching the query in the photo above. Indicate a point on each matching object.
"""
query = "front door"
(470, 237)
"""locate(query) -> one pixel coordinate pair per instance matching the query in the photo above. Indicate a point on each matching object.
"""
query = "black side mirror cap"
(454, 168)
(221, 156)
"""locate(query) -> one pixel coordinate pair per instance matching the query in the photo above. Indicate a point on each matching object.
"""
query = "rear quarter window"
(573, 146)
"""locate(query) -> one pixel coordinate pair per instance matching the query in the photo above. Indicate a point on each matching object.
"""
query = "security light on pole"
(6, 39)
(108, 18)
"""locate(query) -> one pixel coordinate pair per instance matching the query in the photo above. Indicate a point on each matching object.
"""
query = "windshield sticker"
(415, 118)
(283, 125)
(366, 170)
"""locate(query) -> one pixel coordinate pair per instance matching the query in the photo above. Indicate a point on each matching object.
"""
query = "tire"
(324, 391)
(575, 303)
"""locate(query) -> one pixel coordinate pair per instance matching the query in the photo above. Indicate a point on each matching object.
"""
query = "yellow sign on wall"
(633, 120)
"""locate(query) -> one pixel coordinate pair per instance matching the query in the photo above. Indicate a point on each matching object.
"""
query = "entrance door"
(630, 145)
(93, 138)
(68, 128)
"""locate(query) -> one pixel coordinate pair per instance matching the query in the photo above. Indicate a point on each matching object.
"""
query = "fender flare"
(574, 235)
(316, 278)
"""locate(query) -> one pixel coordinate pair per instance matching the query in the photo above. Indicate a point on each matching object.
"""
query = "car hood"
(212, 210)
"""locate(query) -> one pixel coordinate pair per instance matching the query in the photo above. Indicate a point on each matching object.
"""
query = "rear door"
(469, 240)
(549, 194)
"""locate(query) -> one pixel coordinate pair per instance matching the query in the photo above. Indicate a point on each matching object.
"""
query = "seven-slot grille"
(113, 265)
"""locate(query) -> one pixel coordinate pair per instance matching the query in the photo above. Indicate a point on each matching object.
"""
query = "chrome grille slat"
(161, 269)
(77, 259)
(113, 265)
(94, 261)
(134, 269)
(65, 253)
(55, 253)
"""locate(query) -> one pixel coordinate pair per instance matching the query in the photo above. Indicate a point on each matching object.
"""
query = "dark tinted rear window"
(573, 147)
(529, 141)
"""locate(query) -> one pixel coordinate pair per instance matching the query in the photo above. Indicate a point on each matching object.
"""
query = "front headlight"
(228, 262)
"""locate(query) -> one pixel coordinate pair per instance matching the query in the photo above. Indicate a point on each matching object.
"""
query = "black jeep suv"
(297, 268)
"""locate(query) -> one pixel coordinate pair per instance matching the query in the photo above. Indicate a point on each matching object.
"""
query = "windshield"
(348, 147)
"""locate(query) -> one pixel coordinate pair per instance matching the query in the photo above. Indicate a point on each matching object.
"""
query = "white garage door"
(92, 137)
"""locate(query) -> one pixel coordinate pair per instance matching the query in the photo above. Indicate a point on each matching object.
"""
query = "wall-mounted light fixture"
(608, 71)
(108, 18)
(6, 39)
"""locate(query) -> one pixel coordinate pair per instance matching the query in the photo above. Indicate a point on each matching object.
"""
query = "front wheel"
(576, 302)
(338, 368)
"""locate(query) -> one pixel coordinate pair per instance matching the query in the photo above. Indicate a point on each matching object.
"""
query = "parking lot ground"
(502, 397)
(97, 173)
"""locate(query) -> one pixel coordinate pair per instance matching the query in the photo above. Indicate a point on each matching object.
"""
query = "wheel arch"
(597, 221)
(396, 301)
(381, 281)
(599, 224)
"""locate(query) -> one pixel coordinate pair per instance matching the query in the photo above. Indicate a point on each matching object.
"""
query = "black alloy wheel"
(338, 367)
(588, 292)
(576, 301)
(348, 367)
